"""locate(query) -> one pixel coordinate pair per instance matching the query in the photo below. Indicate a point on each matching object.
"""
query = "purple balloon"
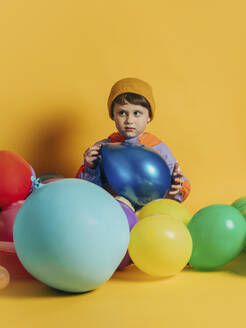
(132, 220)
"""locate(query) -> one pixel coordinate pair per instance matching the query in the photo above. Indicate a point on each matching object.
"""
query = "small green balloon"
(218, 233)
(240, 204)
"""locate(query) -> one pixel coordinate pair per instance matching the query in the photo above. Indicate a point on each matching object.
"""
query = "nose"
(129, 119)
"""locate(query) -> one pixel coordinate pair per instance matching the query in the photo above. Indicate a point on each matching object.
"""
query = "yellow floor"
(130, 299)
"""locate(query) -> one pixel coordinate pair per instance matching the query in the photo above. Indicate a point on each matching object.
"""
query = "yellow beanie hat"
(132, 85)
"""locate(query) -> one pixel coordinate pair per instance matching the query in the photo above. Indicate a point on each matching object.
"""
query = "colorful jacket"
(147, 139)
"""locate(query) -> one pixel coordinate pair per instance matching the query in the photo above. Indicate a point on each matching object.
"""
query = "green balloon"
(218, 233)
(240, 204)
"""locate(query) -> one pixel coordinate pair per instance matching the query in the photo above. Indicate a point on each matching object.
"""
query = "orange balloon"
(125, 201)
(4, 277)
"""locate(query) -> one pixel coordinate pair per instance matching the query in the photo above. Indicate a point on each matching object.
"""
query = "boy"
(131, 106)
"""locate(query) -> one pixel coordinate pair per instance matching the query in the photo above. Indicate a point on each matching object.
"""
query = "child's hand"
(91, 156)
(177, 180)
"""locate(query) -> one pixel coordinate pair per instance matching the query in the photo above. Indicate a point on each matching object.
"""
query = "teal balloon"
(71, 235)
(218, 233)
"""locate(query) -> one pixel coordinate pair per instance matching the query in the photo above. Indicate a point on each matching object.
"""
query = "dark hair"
(133, 99)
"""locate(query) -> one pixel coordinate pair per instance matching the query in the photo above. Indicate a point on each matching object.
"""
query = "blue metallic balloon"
(135, 171)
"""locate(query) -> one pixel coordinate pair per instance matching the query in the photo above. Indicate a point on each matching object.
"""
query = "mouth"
(129, 129)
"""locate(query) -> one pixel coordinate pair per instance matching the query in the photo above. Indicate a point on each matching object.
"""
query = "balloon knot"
(36, 182)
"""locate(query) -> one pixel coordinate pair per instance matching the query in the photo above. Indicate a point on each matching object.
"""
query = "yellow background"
(58, 61)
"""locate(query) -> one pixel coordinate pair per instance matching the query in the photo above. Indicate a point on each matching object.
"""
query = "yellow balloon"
(160, 245)
(4, 277)
(165, 206)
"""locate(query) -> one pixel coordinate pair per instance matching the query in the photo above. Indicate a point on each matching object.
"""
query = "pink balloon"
(51, 180)
(10, 260)
(7, 219)
(7, 247)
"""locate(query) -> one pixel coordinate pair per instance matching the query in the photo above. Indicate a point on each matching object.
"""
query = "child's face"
(130, 120)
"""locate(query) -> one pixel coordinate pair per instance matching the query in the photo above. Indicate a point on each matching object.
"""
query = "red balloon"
(7, 219)
(15, 178)
(51, 180)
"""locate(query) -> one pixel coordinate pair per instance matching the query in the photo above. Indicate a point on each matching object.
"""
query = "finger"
(93, 152)
(173, 192)
(92, 158)
(176, 187)
(178, 175)
(175, 171)
(96, 147)
(179, 180)
(176, 166)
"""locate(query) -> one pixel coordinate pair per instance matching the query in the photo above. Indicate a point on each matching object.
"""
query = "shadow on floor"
(23, 285)
(132, 274)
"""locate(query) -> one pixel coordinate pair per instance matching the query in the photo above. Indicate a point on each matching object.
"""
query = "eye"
(122, 113)
(137, 113)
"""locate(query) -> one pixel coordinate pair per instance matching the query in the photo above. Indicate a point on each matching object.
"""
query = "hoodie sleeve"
(165, 152)
(92, 175)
